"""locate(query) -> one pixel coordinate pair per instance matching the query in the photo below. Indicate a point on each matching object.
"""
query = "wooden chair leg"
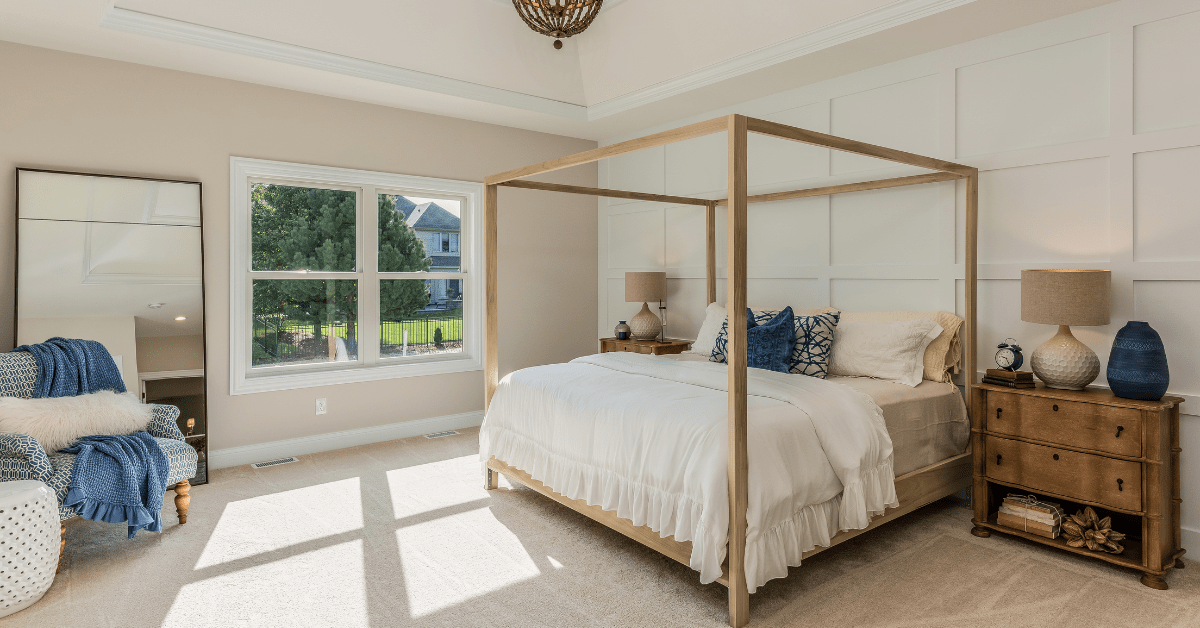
(62, 544)
(182, 500)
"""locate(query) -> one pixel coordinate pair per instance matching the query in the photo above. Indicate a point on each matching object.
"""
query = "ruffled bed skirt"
(768, 555)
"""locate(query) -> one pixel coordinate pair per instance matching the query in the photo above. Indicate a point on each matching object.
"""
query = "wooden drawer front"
(1116, 483)
(1084, 425)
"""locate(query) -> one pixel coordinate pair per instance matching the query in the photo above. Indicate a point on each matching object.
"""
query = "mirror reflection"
(118, 261)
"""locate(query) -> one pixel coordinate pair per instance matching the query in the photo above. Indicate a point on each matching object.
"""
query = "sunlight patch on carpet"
(427, 487)
(453, 559)
(324, 587)
(267, 523)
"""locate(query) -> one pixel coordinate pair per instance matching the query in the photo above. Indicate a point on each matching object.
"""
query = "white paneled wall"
(1086, 130)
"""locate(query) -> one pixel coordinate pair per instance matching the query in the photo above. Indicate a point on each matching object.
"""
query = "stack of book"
(1011, 379)
(1026, 513)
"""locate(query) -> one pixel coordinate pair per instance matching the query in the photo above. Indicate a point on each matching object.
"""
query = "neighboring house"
(439, 231)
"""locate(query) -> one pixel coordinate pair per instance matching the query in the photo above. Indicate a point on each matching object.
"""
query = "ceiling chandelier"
(558, 18)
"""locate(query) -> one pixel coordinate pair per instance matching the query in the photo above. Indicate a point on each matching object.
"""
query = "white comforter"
(648, 438)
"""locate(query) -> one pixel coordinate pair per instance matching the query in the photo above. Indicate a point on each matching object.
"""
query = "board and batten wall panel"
(1086, 130)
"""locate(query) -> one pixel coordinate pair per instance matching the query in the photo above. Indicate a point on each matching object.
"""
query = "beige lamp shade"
(645, 287)
(1059, 296)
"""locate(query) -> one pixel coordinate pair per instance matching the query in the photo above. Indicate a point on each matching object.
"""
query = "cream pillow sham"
(942, 355)
(889, 350)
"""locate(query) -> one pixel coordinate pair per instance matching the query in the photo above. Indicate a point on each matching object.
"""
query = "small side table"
(29, 543)
(652, 347)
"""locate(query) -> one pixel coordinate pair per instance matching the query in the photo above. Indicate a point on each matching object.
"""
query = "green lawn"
(420, 329)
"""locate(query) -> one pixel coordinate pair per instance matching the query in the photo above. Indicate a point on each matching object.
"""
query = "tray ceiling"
(642, 62)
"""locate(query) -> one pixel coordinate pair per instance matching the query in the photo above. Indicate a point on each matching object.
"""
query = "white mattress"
(927, 423)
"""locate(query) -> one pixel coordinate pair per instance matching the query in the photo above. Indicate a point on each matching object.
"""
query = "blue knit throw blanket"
(67, 368)
(119, 478)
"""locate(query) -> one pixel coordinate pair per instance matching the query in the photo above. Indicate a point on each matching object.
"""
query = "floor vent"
(441, 434)
(271, 463)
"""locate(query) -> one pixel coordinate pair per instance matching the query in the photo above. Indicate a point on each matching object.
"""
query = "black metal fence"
(279, 340)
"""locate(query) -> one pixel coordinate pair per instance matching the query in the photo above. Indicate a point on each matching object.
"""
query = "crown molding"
(883, 18)
(137, 23)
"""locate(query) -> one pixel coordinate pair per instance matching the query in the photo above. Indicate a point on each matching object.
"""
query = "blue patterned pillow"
(814, 339)
(769, 345)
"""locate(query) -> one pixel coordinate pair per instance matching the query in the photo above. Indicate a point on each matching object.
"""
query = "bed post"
(739, 596)
(491, 359)
(710, 251)
(979, 490)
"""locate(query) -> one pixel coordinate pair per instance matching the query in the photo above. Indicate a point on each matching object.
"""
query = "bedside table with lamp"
(1084, 448)
(645, 332)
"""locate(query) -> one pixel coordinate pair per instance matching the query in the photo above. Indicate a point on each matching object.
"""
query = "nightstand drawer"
(1074, 475)
(1084, 425)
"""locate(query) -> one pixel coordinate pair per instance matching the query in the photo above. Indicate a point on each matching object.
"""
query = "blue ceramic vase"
(1137, 366)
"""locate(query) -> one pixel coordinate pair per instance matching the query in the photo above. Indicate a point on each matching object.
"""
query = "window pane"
(304, 321)
(418, 234)
(296, 228)
(415, 321)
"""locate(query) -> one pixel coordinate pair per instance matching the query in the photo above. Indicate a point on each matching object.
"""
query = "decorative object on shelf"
(558, 18)
(29, 555)
(1027, 513)
(622, 331)
(1065, 297)
(1008, 355)
(1086, 529)
(1137, 366)
(645, 287)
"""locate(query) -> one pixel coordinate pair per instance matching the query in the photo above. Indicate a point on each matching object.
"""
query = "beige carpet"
(402, 534)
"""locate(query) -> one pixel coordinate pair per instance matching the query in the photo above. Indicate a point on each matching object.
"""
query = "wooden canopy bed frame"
(913, 490)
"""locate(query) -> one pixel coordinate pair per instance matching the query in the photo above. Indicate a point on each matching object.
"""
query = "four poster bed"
(789, 415)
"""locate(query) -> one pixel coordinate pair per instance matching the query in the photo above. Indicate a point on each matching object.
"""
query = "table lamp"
(645, 287)
(1065, 297)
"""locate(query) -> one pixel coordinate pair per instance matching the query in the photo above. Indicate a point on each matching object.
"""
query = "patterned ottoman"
(29, 543)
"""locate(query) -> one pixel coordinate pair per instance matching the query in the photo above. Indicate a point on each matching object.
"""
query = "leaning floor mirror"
(119, 260)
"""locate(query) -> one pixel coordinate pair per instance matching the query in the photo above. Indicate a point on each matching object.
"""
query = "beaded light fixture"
(558, 18)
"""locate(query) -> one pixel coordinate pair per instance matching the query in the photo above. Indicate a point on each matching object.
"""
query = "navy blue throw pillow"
(769, 345)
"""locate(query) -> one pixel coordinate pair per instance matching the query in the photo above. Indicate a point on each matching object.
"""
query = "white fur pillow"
(706, 338)
(891, 350)
(57, 422)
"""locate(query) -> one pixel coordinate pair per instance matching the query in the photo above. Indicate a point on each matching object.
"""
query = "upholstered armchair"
(22, 457)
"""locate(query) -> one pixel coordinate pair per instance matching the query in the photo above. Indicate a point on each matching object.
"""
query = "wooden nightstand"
(652, 347)
(1087, 448)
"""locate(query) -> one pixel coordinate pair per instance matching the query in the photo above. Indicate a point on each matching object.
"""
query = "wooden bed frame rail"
(914, 490)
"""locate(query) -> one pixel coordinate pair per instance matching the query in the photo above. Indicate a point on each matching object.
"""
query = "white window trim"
(241, 378)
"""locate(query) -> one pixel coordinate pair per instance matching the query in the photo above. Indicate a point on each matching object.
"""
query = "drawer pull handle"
(1120, 428)
(1056, 456)
(1056, 407)
(998, 411)
(998, 458)
(1120, 484)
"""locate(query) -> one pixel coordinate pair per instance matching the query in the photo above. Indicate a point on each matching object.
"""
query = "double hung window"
(332, 282)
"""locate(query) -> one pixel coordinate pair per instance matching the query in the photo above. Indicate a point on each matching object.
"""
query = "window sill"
(257, 383)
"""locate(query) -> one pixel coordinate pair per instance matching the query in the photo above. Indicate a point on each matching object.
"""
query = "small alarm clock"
(1008, 356)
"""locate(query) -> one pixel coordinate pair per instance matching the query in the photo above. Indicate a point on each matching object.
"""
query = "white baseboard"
(235, 456)
(1191, 542)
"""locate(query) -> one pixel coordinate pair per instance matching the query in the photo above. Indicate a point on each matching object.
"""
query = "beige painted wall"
(71, 112)
(170, 353)
(116, 333)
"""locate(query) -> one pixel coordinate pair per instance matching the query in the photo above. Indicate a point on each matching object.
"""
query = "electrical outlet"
(321, 406)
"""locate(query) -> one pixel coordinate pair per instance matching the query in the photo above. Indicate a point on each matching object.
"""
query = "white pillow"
(706, 338)
(58, 422)
(891, 350)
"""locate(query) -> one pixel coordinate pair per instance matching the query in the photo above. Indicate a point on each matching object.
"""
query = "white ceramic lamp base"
(645, 325)
(1065, 363)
